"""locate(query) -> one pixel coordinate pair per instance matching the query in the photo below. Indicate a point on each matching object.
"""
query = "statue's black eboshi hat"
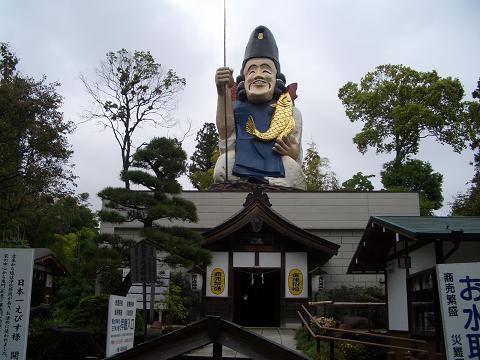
(261, 45)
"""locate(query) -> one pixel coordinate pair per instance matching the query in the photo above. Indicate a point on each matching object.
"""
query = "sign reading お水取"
(459, 292)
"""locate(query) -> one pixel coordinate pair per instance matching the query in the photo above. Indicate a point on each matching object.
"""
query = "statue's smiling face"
(260, 78)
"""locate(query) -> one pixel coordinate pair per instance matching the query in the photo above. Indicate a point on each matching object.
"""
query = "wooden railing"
(410, 351)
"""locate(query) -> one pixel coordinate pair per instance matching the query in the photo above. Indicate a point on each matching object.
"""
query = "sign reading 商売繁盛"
(459, 292)
(217, 275)
(296, 275)
(16, 270)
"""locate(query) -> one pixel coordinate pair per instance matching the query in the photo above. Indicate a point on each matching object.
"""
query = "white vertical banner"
(296, 275)
(16, 270)
(459, 292)
(217, 275)
(121, 324)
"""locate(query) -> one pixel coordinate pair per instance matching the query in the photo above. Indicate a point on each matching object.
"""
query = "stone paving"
(283, 336)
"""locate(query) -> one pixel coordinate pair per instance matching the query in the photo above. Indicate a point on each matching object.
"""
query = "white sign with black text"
(121, 324)
(459, 292)
(16, 270)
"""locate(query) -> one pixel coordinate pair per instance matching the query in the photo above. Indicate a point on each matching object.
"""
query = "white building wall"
(307, 210)
(339, 217)
(397, 297)
(336, 268)
(422, 259)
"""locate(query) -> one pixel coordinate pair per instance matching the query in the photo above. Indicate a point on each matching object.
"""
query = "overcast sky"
(322, 44)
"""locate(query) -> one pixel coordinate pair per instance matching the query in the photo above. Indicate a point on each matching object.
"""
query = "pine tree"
(156, 167)
(200, 171)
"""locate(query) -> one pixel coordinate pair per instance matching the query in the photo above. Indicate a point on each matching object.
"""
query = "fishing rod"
(226, 85)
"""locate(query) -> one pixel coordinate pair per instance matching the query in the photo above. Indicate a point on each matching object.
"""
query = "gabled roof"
(257, 206)
(381, 232)
(210, 330)
(47, 258)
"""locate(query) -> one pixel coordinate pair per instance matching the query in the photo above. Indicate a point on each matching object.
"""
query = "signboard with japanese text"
(121, 324)
(318, 283)
(296, 275)
(196, 282)
(217, 275)
(459, 292)
(217, 281)
(16, 270)
(295, 282)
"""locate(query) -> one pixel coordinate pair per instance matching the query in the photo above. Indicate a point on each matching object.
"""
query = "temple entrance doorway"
(257, 297)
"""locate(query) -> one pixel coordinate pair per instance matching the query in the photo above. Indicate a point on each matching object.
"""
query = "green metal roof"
(382, 232)
(429, 226)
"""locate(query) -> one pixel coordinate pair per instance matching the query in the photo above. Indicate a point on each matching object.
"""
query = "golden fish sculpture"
(281, 124)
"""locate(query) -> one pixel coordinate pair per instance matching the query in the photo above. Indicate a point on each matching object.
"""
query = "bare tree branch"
(132, 90)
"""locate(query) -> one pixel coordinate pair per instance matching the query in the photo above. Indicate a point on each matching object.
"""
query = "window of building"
(423, 302)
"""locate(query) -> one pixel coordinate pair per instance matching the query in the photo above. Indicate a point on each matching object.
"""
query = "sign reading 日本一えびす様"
(16, 269)
(121, 324)
(459, 293)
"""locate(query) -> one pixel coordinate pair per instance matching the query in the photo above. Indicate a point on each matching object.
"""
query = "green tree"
(200, 170)
(358, 182)
(468, 203)
(415, 175)
(132, 90)
(398, 106)
(204, 179)
(35, 155)
(157, 167)
(318, 175)
(66, 215)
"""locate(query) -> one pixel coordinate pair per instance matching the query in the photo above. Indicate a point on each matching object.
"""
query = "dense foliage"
(156, 168)
(318, 175)
(132, 90)
(468, 203)
(35, 155)
(200, 170)
(415, 175)
(398, 106)
(358, 182)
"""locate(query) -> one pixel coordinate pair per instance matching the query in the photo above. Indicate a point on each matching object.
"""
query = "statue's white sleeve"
(297, 133)
(232, 139)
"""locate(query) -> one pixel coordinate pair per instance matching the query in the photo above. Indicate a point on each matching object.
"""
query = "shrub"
(322, 321)
(354, 351)
(174, 301)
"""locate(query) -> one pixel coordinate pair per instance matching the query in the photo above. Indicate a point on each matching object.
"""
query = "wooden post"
(318, 346)
(332, 350)
(144, 286)
(152, 303)
(369, 317)
(217, 351)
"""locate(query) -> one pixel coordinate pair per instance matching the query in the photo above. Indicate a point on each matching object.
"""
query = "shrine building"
(274, 250)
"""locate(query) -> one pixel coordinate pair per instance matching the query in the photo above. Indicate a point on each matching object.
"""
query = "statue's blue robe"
(254, 157)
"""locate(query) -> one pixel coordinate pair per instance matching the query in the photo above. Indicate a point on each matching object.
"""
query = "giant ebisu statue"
(262, 126)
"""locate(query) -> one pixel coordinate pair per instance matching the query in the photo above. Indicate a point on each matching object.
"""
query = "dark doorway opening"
(257, 297)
